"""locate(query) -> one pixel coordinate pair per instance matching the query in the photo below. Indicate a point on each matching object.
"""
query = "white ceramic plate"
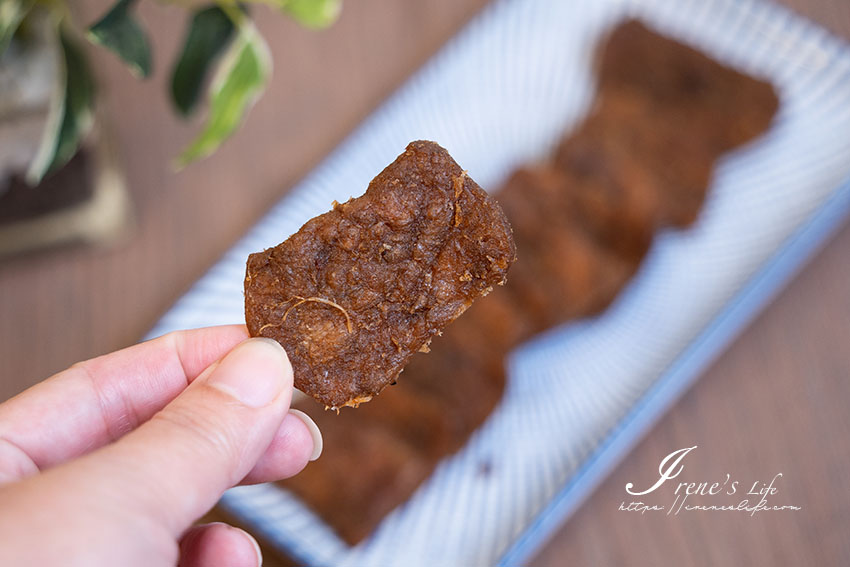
(499, 94)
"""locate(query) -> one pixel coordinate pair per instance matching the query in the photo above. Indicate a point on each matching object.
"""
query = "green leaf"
(71, 112)
(208, 34)
(240, 79)
(119, 32)
(314, 14)
(11, 14)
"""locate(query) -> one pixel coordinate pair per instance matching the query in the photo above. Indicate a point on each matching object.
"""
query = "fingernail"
(254, 543)
(298, 396)
(255, 372)
(315, 433)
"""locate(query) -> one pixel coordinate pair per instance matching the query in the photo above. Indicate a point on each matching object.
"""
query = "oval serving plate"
(519, 76)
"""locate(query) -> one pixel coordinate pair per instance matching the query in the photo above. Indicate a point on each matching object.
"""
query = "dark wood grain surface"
(775, 402)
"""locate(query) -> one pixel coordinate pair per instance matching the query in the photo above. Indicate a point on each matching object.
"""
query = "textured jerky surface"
(582, 223)
(358, 290)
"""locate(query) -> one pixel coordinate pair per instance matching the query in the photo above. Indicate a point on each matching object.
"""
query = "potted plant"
(58, 177)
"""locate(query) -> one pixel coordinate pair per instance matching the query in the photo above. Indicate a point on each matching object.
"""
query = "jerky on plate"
(358, 290)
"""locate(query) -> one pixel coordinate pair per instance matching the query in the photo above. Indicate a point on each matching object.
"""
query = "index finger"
(97, 401)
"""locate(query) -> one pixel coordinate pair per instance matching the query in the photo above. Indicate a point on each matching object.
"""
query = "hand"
(111, 461)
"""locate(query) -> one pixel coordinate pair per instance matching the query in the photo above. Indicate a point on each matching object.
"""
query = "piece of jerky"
(374, 463)
(470, 352)
(563, 270)
(358, 290)
(382, 452)
(701, 97)
(675, 111)
(653, 172)
(614, 195)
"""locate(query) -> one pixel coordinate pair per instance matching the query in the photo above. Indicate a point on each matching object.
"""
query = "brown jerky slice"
(615, 196)
(374, 463)
(643, 169)
(675, 111)
(358, 290)
(699, 96)
(563, 270)
(378, 455)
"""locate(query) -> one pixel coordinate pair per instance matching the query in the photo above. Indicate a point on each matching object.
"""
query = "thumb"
(176, 466)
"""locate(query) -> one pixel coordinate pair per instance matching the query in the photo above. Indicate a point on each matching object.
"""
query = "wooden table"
(775, 402)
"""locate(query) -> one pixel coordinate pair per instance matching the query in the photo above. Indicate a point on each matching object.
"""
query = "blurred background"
(775, 401)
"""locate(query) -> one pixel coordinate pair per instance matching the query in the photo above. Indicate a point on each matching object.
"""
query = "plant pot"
(84, 200)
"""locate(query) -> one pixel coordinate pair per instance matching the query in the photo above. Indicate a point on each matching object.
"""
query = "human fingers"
(99, 400)
(297, 441)
(174, 467)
